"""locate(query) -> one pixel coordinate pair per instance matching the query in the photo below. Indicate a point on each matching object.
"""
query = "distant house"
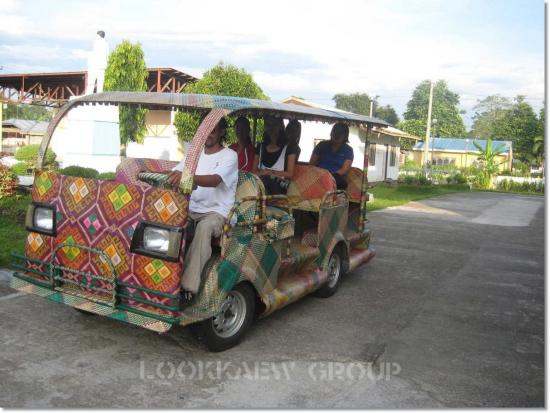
(383, 144)
(461, 152)
(20, 132)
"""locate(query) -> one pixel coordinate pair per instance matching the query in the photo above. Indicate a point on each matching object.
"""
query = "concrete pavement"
(450, 313)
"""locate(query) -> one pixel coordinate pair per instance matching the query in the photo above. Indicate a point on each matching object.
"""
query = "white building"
(383, 144)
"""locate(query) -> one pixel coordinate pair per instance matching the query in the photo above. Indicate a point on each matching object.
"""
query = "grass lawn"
(393, 195)
(12, 226)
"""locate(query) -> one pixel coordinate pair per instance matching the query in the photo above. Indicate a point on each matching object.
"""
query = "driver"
(216, 182)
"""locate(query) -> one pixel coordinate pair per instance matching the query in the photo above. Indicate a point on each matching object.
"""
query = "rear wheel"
(334, 269)
(228, 327)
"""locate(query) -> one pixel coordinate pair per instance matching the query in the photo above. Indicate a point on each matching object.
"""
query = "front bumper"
(29, 285)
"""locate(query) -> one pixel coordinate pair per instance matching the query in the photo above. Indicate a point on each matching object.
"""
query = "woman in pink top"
(243, 147)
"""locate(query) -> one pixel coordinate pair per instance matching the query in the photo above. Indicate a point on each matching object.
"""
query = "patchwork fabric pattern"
(156, 274)
(129, 168)
(86, 305)
(197, 144)
(332, 225)
(310, 182)
(78, 194)
(355, 182)
(162, 206)
(292, 287)
(45, 187)
(107, 226)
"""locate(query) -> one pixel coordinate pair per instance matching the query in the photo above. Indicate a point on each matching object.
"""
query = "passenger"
(216, 182)
(243, 147)
(293, 132)
(335, 155)
(275, 159)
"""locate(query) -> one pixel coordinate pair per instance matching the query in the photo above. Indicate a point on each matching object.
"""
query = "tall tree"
(126, 71)
(521, 126)
(497, 117)
(224, 80)
(490, 113)
(360, 103)
(356, 102)
(445, 109)
(386, 113)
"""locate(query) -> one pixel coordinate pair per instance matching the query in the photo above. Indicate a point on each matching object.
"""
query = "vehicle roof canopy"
(234, 106)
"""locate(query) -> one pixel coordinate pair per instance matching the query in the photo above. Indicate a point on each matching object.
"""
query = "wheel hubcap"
(333, 270)
(231, 316)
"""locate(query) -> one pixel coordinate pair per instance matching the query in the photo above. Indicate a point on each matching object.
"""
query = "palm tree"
(487, 158)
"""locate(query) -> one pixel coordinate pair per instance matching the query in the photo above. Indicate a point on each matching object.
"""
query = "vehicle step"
(300, 257)
(292, 286)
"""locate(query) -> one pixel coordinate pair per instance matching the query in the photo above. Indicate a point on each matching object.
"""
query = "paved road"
(449, 313)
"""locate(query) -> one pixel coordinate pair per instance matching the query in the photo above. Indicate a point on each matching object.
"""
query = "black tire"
(211, 332)
(336, 266)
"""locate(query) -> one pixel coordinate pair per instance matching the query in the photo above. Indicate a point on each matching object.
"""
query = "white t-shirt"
(221, 198)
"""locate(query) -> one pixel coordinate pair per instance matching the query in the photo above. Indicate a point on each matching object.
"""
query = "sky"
(311, 49)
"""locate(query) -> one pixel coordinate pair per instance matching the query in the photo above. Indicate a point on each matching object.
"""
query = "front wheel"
(334, 269)
(228, 327)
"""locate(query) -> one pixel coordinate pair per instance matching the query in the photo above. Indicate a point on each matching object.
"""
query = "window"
(393, 150)
(372, 154)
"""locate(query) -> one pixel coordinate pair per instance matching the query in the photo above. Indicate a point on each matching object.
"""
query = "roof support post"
(364, 183)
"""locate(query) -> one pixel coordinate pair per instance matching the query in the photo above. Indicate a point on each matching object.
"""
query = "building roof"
(35, 127)
(388, 130)
(55, 88)
(461, 145)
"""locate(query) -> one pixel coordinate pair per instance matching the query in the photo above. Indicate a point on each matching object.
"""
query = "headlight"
(156, 239)
(41, 218)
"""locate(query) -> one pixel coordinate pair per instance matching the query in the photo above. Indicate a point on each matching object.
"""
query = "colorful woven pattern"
(332, 226)
(129, 168)
(86, 305)
(103, 215)
(355, 180)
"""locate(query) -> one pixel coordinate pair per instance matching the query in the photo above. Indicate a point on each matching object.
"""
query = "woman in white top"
(275, 159)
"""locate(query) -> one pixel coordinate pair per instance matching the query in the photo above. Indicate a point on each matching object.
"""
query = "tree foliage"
(356, 102)
(499, 118)
(222, 80)
(386, 113)
(29, 112)
(360, 103)
(489, 116)
(126, 71)
(445, 108)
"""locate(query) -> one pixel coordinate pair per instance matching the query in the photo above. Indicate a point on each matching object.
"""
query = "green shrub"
(22, 169)
(509, 185)
(107, 176)
(80, 171)
(8, 182)
(422, 180)
(29, 153)
(409, 179)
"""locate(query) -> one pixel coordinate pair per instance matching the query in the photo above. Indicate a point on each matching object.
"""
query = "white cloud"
(313, 48)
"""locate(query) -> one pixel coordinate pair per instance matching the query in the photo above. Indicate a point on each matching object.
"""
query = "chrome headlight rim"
(30, 219)
(175, 236)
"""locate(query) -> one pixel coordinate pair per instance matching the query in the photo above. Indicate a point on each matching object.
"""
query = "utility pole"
(428, 130)
(371, 111)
